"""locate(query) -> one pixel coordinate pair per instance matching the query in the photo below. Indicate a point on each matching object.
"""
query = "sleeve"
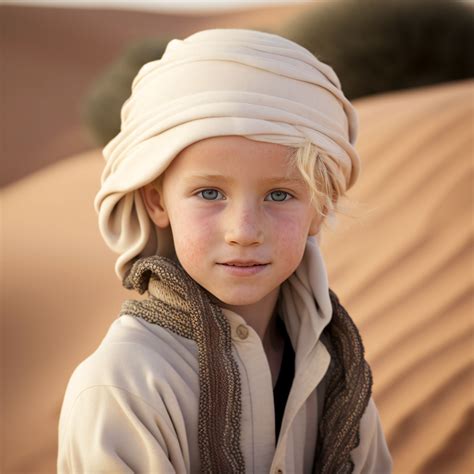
(109, 429)
(372, 455)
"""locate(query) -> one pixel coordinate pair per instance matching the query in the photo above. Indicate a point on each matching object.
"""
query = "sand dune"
(404, 271)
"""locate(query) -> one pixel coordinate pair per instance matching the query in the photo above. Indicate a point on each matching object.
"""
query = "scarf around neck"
(179, 304)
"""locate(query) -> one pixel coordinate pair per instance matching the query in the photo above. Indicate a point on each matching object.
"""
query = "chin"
(239, 300)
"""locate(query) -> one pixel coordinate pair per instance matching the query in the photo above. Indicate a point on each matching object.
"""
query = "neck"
(261, 316)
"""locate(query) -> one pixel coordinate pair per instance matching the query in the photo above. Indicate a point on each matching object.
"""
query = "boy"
(233, 149)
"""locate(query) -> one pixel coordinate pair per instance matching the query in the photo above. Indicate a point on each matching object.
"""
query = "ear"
(154, 203)
(315, 224)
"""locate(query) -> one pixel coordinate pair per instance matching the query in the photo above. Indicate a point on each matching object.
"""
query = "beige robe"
(132, 406)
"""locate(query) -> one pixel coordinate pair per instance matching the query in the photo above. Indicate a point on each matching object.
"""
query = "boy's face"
(248, 213)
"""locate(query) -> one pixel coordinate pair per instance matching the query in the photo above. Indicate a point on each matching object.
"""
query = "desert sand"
(403, 269)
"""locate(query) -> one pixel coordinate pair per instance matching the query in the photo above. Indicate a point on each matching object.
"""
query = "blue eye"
(279, 196)
(209, 194)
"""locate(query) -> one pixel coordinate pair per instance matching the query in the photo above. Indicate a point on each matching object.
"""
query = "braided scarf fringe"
(190, 313)
(348, 392)
(176, 302)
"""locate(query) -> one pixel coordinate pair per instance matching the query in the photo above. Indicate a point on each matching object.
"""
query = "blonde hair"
(325, 180)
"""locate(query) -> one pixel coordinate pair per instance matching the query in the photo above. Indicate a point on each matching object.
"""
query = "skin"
(245, 217)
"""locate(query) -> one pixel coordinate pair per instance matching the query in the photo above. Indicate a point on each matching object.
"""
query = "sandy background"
(403, 269)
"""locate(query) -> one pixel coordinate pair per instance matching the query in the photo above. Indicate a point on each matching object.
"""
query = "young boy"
(234, 148)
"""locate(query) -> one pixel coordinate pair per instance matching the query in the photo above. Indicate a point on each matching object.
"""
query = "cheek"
(192, 235)
(290, 237)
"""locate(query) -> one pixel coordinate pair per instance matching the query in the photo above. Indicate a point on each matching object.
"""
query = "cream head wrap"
(213, 83)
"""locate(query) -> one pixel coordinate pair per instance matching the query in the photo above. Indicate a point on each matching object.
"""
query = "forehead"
(234, 156)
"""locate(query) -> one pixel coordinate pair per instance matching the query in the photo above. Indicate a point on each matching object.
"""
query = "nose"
(243, 225)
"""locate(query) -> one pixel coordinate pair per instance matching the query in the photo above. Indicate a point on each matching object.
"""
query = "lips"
(241, 263)
(241, 268)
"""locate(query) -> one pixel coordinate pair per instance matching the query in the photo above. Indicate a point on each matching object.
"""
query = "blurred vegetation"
(383, 45)
(102, 103)
(373, 45)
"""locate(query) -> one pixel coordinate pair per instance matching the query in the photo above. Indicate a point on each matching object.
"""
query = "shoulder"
(130, 395)
(135, 357)
(372, 454)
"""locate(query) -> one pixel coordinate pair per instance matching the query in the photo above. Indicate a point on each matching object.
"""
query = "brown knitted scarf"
(179, 304)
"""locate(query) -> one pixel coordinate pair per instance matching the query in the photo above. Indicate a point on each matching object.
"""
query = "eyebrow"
(229, 179)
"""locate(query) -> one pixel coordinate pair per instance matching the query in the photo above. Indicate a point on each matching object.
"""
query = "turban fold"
(213, 83)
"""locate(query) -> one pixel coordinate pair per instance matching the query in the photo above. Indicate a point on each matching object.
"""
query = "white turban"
(213, 83)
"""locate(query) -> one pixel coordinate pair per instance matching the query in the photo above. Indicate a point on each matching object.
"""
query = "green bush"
(382, 45)
(102, 103)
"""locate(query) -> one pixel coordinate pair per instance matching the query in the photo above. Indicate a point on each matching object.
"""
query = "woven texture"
(177, 303)
(348, 392)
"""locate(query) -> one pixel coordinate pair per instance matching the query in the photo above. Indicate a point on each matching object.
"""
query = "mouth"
(243, 264)
(241, 269)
